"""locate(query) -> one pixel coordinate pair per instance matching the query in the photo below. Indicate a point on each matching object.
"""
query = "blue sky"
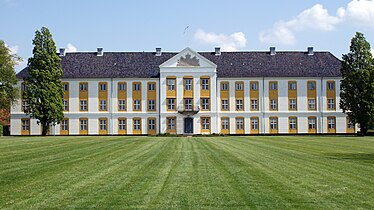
(144, 25)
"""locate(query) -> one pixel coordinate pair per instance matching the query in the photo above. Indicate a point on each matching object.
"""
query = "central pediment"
(188, 58)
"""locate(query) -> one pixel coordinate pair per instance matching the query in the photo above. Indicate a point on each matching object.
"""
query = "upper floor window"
(254, 85)
(66, 86)
(293, 104)
(254, 104)
(239, 104)
(121, 86)
(83, 105)
(188, 104)
(330, 103)
(136, 105)
(102, 105)
(225, 104)
(171, 84)
(102, 87)
(171, 103)
(24, 87)
(205, 84)
(121, 105)
(292, 86)
(151, 105)
(83, 87)
(66, 105)
(25, 106)
(151, 86)
(205, 103)
(239, 86)
(187, 84)
(205, 123)
(311, 104)
(224, 86)
(331, 85)
(273, 104)
(136, 86)
(273, 85)
(311, 85)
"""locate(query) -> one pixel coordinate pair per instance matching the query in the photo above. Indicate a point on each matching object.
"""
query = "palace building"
(140, 93)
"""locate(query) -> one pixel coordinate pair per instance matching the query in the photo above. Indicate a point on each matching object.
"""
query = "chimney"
(158, 51)
(62, 52)
(100, 51)
(217, 51)
(272, 50)
(310, 51)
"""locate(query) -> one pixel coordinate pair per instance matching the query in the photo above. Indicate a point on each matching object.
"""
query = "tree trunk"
(45, 128)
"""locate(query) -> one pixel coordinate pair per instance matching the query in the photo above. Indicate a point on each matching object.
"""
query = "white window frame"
(205, 104)
(205, 84)
(171, 123)
(239, 123)
(66, 87)
(103, 124)
(254, 123)
(102, 105)
(292, 86)
(65, 124)
(136, 86)
(151, 86)
(171, 103)
(151, 105)
(25, 124)
(83, 124)
(311, 103)
(293, 123)
(171, 84)
(121, 105)
(311, 85)
(273, 86)
(121, 86)
(239, 86)
(122, 124)
(205, 124)
(331, 85)
(225, 123)
(66, 105)
(83, 105)
(151, 124)
(188, 104)
(102, 87)
(239, 105)
(225, 104)
(136, 105)
(254, 85)
(273, 123)
(292, 104)
(83, 87)
(187, 84)
(273, 104)
(137, 124)
(254, 104)
(331, 122)
(312, 123)
(224, 86)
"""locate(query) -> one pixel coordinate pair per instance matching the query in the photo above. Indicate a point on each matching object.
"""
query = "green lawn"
(283, 172)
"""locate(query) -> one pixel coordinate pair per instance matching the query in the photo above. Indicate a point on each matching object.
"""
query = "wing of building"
(195, 93)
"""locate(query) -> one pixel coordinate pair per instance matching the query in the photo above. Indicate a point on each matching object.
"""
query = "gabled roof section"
(188, 58)
(228, 64)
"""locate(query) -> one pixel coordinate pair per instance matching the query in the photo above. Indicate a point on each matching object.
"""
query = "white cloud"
(358, 12)
(13, 49)
(315, 17)
(232, 42)
(71, 48)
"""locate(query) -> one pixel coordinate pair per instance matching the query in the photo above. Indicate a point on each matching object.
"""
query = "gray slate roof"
(229, 64)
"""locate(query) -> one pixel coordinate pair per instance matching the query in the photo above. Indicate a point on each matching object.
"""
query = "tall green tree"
(357, 86)
(44, 92)
(8, 80)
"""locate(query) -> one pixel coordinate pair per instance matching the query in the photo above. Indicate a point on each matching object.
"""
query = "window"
(254, 104)
(171, 123)
(254, 123)
(239, 104)
(103, 126)
(239, 123)
(292, 104)
(254, 85)
(83, 105)
(273, 104)
(311, 85)
(188, 104)
(66, 105)
(331, 85)
(273, 123)
(151, 124)
(151, 105)
(136, 124)
(24, 87)
(122, 124)
(121, 86)
(238, 86)
(225, 123)
(83, 86)
(65, 124)
(66, 86)
(171, 84)
(312, 104)
(187, 84)
(205, 84)
(25, 124)
(121, 105)
(171, 104)
(136, 105)
(205, 123)
(350, 124)
(102, 105)
(225, 104)
(205, 103)
(25, 106)
(151, 86)
(312, 123)
(83, 124)
(330, 103)
(330, 122)
(292, 85)
(224, 86)
(136, 86)
(102, 86)
(293, 123)
(273, 85)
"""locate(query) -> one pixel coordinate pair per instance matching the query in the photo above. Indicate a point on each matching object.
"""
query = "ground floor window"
(293, 123)
(83, 124)
(225, 123)
(273, 123)
(254, 123)
(171, 123)
(122, 124)
(26, 124)
(65, 124)
(331, 122)
(103, 124)
(312, 123)
(240, 123)
(205, 123)
(137, 124)
(151, 124)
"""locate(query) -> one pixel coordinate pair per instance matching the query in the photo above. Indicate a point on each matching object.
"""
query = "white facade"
(212, 117)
